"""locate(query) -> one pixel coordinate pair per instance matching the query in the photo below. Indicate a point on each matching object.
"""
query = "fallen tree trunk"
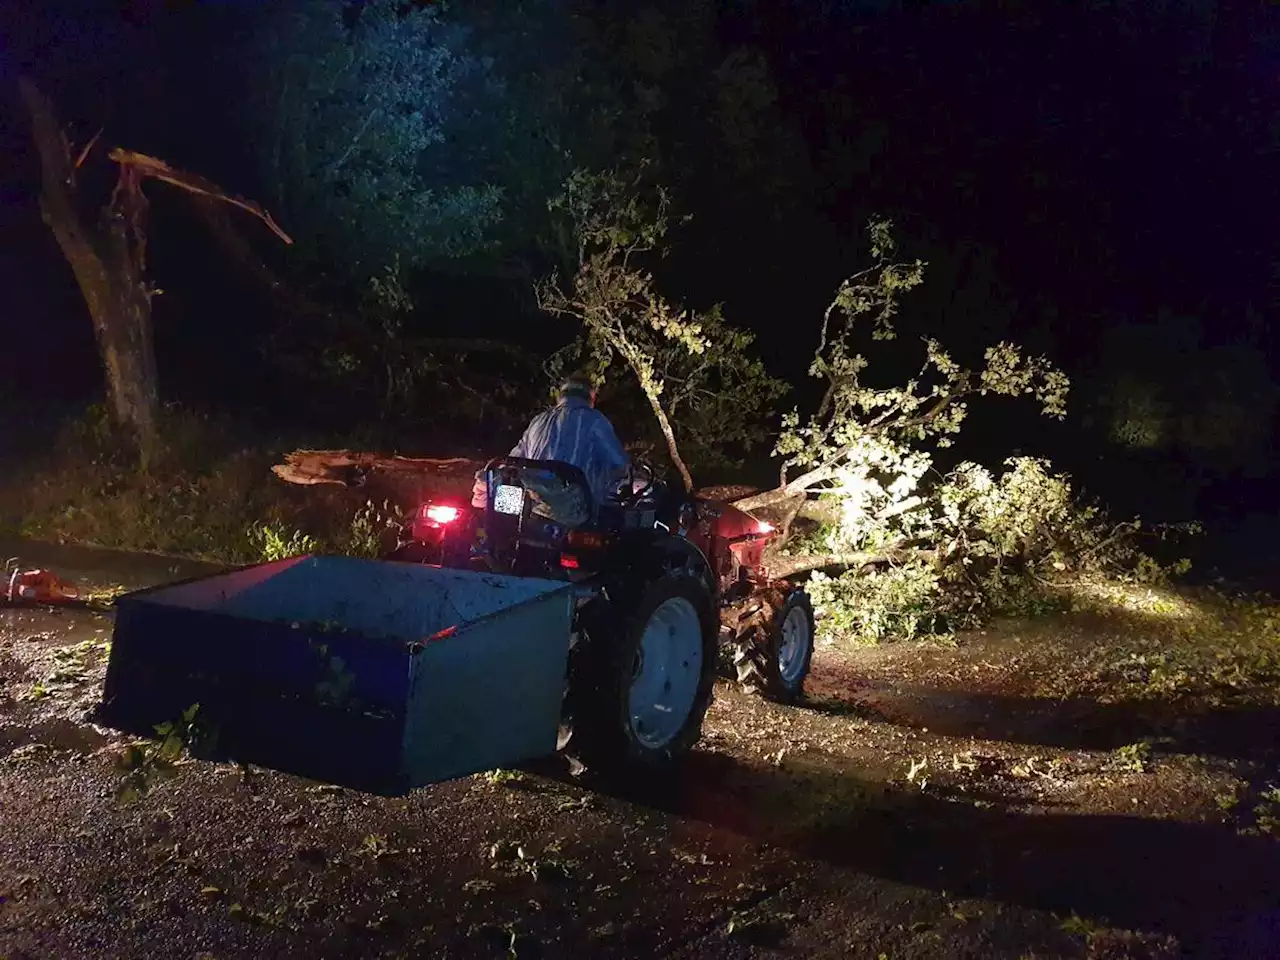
(384, 475)
(350, 468)
(785, 566)
(404, 481)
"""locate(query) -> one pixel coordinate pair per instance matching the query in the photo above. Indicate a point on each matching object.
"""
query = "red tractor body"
(733, 542)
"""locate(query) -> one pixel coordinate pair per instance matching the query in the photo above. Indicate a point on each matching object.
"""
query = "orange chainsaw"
(35, 587)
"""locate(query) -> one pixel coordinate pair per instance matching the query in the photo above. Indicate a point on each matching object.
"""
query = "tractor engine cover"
(738, 541)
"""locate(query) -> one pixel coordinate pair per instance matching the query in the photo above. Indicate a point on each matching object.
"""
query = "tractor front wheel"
(775, 659)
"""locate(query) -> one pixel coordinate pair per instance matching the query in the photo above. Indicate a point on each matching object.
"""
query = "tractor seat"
(567, 504)
(556, 492)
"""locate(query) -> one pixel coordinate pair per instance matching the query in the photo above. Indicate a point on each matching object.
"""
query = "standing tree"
(109, 259)
(374, 129)
(693, 369)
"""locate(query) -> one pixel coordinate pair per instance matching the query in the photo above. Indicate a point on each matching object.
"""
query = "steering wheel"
(642, 472)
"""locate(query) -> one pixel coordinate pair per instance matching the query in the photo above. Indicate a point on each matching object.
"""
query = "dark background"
(1068, 169)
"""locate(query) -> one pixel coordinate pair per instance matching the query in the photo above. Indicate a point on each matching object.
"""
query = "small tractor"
(492, 635)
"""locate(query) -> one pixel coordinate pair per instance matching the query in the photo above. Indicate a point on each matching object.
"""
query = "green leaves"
(972, 545)
(710, 397)
(367, 132)
(926, 555)
(144, 764)
(857, 428)
(271, 542)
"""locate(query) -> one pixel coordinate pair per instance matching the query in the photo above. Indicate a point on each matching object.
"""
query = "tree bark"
(354, 468)
(669, 435)
(107, 268)
(798, 487)
(350, 477)
(109, 260)
(784, 567)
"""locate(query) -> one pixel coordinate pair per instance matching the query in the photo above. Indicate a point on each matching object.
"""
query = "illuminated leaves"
(854, 417)
(695, 371)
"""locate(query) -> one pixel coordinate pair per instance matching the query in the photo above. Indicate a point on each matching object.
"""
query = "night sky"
(1067, 168)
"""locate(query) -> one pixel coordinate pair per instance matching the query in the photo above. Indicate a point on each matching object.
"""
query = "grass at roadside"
(208, 495)
(1140, 643)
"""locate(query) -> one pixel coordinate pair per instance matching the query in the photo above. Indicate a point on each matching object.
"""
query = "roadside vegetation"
(892, 548)
(1027, 732)
(208, 494)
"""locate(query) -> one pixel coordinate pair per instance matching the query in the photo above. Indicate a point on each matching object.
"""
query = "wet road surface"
(792, 832)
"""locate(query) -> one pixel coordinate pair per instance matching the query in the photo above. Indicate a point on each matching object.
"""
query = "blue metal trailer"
(376, 675)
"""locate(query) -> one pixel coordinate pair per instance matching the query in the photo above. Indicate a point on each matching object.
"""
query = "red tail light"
(438, 513)
(569, 562)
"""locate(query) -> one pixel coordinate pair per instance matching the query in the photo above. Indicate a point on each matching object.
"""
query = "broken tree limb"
(192, 183)
(404, 481)
(813, 479)
(292, 301)
(344, 479)
(783, 567)
(108, 258)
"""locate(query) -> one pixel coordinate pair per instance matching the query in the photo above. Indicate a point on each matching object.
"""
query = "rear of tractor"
(668, 584)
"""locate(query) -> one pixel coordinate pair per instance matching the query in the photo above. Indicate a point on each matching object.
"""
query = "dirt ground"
(926, 801)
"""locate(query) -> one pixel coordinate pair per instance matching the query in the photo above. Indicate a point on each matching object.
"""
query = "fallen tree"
(403, 481)
(890, 547)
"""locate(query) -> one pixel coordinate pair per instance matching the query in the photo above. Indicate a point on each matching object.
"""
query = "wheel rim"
(666, 673)
(793, 647)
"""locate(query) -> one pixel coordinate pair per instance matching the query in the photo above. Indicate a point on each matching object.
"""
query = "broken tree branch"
(347, 468)
(784, 567)
(84, 154)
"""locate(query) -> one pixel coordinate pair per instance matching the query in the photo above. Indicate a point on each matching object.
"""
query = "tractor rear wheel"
(645, 680)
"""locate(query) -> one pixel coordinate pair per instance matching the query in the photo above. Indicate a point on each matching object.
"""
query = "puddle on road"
(57, 733)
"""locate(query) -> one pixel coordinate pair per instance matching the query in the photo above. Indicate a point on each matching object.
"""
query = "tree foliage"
(859, 434)
(369, 122)
(982, 544)
(916, 552)
(437, 131)
(693, 368)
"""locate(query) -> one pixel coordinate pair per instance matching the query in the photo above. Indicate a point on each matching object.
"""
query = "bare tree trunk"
(107, 266)
(126, 339)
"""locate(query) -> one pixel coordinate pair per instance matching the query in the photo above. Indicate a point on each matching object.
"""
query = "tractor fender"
(644, 559)
(673, 554)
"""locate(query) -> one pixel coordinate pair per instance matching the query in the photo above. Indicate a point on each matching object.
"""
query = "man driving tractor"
(573, 432)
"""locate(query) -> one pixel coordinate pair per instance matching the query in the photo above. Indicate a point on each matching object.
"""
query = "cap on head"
(578, 385)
